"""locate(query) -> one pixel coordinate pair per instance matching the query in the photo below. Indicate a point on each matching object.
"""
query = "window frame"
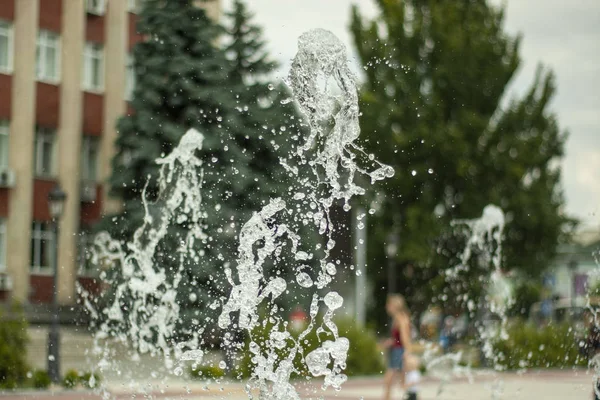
(93, 51)
(3, 244)
(87, 143)
(7, 28)
(133, 6)
(45, 40)
(4, 133)
(40, 231)
(44, 133)
(98, 9)
(129, 77)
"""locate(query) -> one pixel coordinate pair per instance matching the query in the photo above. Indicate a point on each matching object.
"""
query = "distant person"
(399, 344)
(447, 334)
(298, 319)
(412, 377)
(591, 346)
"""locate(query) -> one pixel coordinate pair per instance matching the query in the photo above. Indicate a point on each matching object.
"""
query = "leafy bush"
(90, 380)
(206, 372)
(528, 346)
(40, 379)
(13, 342)
(526, 294)
(73, 378)
(364, 356)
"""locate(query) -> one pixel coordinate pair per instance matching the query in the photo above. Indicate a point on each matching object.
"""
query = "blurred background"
(472, 102)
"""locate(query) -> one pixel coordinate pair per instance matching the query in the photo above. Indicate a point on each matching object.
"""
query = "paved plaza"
(543, 385)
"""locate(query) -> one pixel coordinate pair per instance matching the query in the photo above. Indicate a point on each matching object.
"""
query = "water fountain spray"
(323, 172)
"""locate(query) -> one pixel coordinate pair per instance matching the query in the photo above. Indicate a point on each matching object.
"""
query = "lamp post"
(360, 238)
(572, 267)
(56, 202)
(391, 249)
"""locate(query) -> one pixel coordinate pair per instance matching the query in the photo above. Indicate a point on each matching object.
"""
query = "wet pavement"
(546, 385)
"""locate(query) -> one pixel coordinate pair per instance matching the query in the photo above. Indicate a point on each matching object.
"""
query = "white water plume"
(143, 311)
(323, 171)
(483, 248)
(330, 154)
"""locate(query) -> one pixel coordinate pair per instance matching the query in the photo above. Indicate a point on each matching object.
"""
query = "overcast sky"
(563, 35)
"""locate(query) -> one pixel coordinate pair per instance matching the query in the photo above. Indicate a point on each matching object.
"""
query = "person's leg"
(388, 380)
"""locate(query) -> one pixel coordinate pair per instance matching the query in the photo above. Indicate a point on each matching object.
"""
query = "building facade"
(65, 77)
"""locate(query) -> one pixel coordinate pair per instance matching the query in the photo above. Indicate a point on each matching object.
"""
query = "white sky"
(563, 35)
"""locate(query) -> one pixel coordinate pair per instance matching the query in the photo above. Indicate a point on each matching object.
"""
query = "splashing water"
(145, 290)
(483, 248)
(322, 171)
(329, 152)
(592, 307)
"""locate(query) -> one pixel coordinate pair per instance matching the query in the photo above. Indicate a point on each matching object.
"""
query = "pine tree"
(436, 75)
(264, 112)
(184, 79)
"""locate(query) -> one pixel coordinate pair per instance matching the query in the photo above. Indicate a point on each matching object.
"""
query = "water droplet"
(270, 86)
(304, 280)
(333, 300)
(413, 173)
(430, 170)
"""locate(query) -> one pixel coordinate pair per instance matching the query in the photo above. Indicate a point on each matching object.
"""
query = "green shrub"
(528, 346)
(87, 382)
(71, 379)
(40, 379)
(13, 342)
(364, 356)
(206, 372)
(526, 294)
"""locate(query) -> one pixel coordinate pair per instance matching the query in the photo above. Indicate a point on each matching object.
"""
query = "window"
(134, 5)
(6, 46)
(42, 247)
(89, 158)
(129, 78)
(2, 245)
(84, 243)
(4, 129)
(48, 56)
(44, 156)
(95, 7)
(93, 67)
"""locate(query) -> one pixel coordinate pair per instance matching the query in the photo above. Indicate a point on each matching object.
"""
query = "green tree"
(433, 107)
(265, 112)
(186, 79)
(13, 348)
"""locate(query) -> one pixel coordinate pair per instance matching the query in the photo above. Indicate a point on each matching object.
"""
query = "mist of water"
(323, 170)
(483, 249)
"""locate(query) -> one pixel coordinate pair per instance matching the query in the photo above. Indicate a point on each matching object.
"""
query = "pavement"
(544, 385)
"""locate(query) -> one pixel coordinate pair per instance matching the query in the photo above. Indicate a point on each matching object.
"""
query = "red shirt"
(396, 337)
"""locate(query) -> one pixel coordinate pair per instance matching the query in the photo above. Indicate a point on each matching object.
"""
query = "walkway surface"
(546, 385)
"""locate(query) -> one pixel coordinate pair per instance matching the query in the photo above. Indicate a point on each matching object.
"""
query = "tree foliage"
(434, 107)
(193, 73)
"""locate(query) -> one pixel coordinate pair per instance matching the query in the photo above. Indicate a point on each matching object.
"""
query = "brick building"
(65, 77)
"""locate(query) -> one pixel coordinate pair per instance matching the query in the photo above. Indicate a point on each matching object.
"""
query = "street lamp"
(391, 249)
(572, 267)
(56, 205)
